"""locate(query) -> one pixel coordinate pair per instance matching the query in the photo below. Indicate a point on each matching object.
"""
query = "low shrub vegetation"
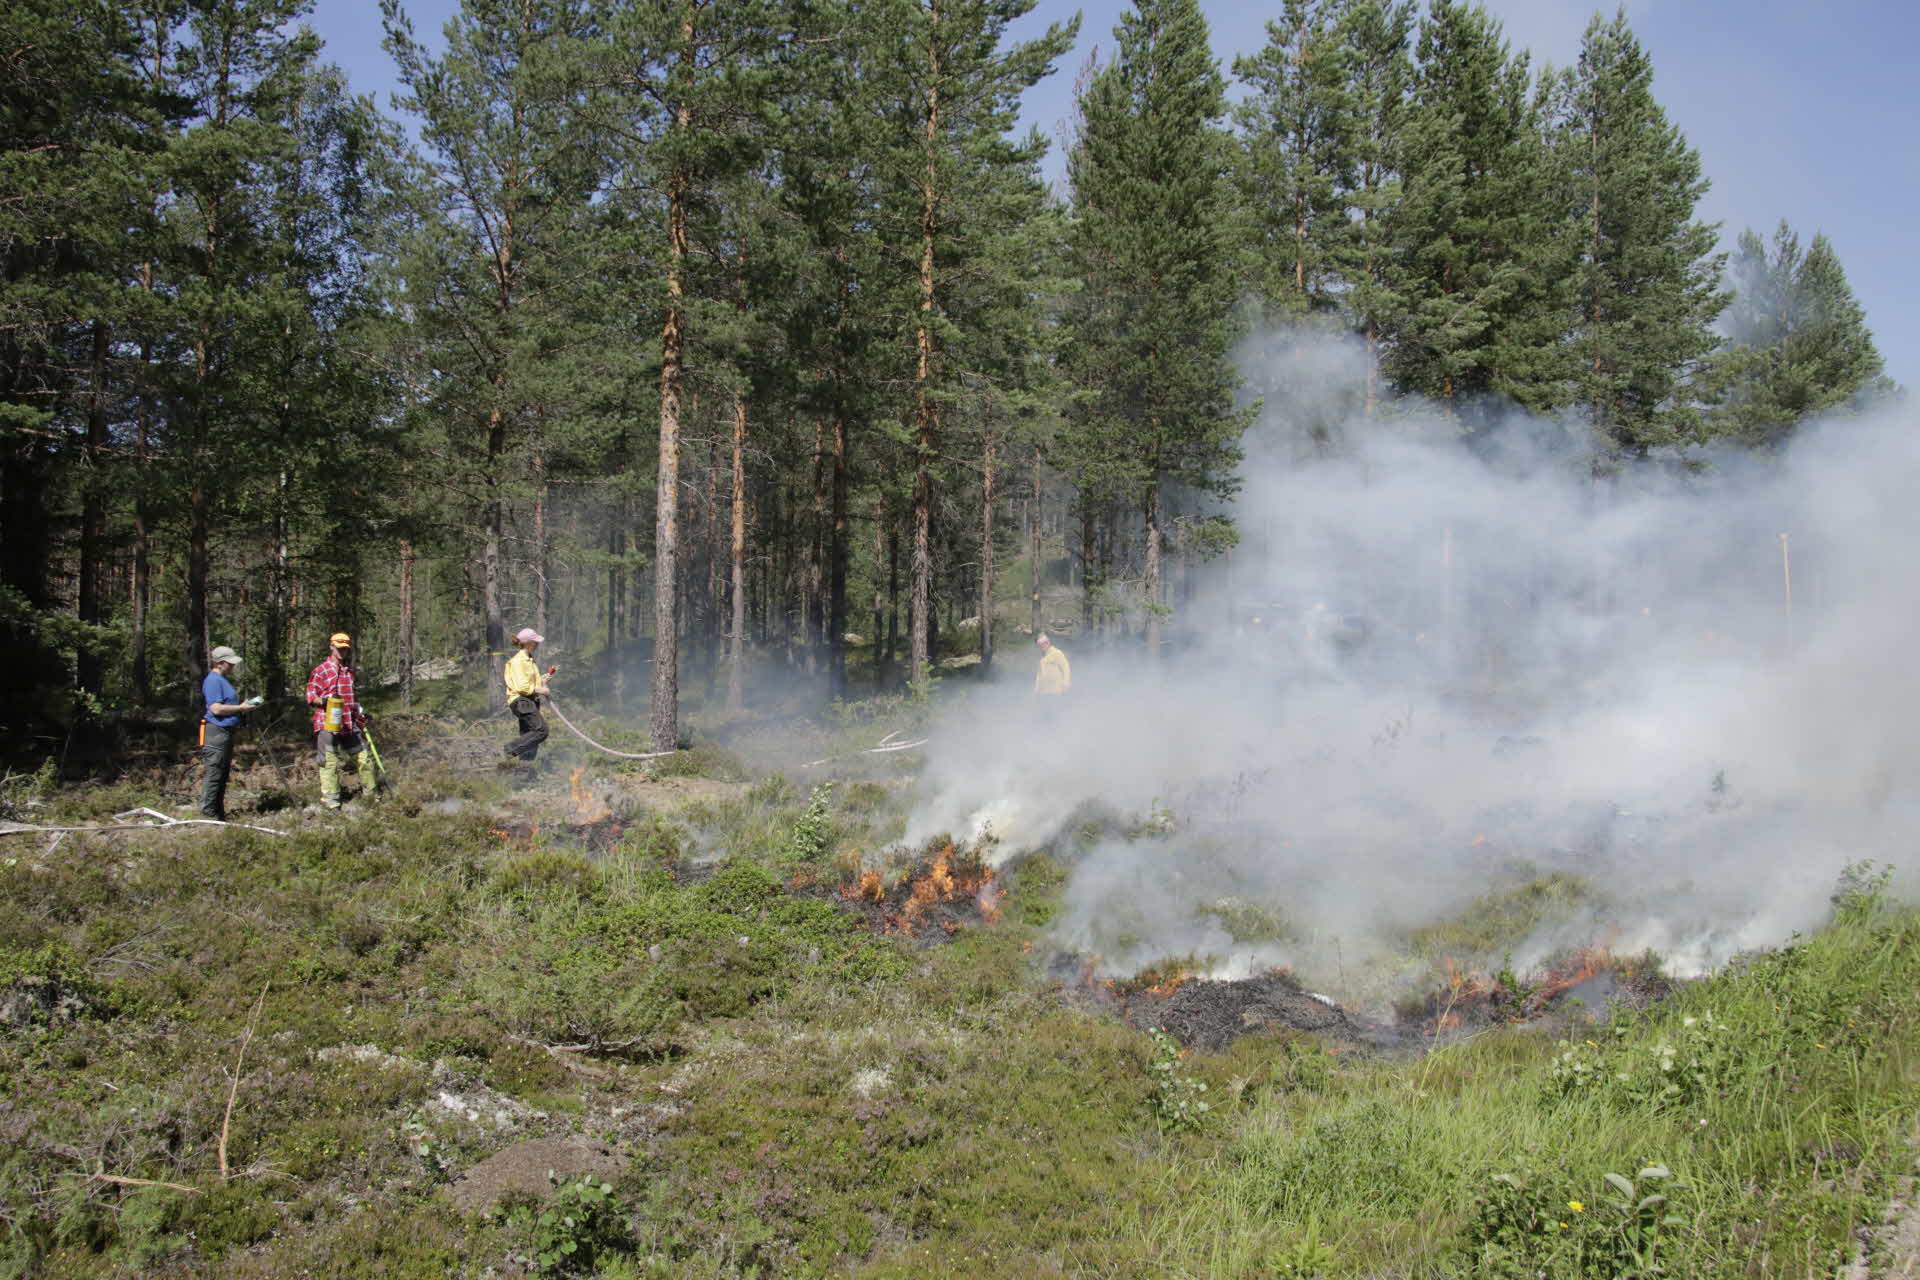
(232, 1053)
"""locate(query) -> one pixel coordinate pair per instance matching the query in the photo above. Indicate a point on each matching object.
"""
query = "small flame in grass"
(1157, 980)
(946, 879)
(868, 888)
(1582, 964)
(588, 808)
(989, 898)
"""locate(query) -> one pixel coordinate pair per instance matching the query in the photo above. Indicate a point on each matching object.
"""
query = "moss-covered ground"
(234, 1053)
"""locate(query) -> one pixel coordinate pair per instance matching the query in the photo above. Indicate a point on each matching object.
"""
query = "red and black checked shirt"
(331, 680)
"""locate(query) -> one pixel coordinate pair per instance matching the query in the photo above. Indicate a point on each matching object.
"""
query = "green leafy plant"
(1179, 1100)
(1527, 1225)
(574, 1230)
(1303, 1257)
(1697, 1061)
(812, 835)
(1862, 888)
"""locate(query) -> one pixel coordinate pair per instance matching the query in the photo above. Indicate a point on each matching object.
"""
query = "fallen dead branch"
(233, 1086)
(122, 822)
(119, 1181)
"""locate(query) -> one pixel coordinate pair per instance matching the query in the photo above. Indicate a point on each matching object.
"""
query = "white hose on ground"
(882, 749)
(624, 755)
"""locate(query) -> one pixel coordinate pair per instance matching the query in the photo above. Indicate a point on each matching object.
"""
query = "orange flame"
(946, 879)
(588, 808)
(1171, 984)
(868, 889)
(1581, 965)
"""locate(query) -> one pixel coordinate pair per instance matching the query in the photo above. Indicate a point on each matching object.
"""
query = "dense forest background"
(725, 343)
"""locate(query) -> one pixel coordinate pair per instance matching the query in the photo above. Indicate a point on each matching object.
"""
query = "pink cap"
(529, 634)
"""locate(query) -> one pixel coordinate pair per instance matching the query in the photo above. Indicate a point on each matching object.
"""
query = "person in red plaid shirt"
(333, 678)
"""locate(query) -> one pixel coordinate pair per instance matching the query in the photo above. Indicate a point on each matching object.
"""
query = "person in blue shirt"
(224, 710)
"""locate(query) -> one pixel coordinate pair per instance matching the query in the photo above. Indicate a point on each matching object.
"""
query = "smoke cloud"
(1436, 664)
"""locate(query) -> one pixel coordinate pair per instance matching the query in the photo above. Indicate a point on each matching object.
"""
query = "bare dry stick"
(119, 1181)
(233, 1086)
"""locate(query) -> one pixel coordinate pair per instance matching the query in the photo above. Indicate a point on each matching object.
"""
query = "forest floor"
(705, 1017)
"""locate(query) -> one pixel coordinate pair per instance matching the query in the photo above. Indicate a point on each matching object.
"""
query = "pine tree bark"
(986, 556)
(542, 594)
(93, 517)
(405, 645)
(279, 605)
(664, 708)
(893, 596)
(1088, 573)
(924, 418)
(1153, 585)
(1033, 546)
(816, 589)
(879, 592)
(495, 532)
(837, 567)
(715, 644)
(737, 555)
(142, 531)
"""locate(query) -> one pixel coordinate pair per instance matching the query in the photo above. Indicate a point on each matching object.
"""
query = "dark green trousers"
(217, 755)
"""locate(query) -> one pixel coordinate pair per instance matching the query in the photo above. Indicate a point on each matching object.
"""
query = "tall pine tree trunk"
(986, 557)
(837, 567)
(816, 589)
(142, 527)
(714, 643)
(542, 592)
(879, 592)
(406, 662)
(279, 606)
(924, 422)
(1033, 546)
(1089, 576)
(893, 596)
(93, 517)
(664, 708)
(1153, 586)
(495, 517)
(737, 555)
(199, 518)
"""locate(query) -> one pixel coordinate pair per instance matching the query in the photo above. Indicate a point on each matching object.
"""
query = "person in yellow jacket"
(525, 687)
(1054, 677)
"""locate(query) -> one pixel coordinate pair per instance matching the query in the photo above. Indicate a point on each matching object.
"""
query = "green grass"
(798, 1097)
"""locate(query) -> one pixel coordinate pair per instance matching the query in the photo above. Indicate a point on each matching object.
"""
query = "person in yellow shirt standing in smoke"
(525, 687)
(1054, 677)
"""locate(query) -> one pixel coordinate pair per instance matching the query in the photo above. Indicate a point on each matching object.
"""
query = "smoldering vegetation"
(1441, 662)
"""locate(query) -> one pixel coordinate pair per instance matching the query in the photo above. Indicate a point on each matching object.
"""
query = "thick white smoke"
(1433, 658)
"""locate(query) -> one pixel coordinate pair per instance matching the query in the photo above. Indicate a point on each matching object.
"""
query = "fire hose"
(601, 746)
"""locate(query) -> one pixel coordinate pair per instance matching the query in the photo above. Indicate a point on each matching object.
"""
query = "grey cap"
(223, 654)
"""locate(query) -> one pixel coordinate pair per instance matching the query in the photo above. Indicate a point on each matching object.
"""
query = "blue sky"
(1801, 112)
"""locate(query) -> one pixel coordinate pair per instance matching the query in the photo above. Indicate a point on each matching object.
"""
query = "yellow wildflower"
(1576, 1206)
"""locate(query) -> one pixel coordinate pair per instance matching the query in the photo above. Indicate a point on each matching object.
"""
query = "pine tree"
(1649, 278)
(1298, 157)
(1150, 331)
(1481, 261)
(1379, 64)
(1800, 345)
(951, 188)
(693, 77)
(502, 245)
(75, 163)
